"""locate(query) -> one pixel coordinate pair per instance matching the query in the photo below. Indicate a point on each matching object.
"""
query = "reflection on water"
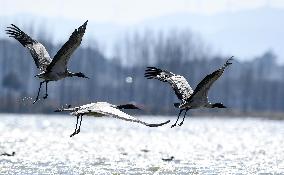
(110, 146)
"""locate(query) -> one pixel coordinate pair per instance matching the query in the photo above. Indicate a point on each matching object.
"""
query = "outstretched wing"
(116, 113)
(60, 60)
(179, 84)
(37, 50)
(201, 90)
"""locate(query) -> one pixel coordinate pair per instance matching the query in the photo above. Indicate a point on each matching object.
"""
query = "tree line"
(246, 86)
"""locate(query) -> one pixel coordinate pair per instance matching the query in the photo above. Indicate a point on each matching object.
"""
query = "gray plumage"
(199, 98)
(178, 83)
(50, 69)
(189, 99)
(60, 60)
(37, 50)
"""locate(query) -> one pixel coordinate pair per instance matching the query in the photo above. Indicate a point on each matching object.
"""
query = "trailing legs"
(38, 92)
(181, 123)
(77, 130)
(177, 118)
(45, 96)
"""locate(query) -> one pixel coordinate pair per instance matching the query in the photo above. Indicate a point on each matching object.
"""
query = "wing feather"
(201, 90)
(60, 60)
(109, 110)
(178, 83)
(37, 50)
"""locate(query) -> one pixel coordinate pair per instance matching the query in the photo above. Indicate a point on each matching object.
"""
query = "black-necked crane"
(51, 69)
(100, 109)
(189, 99)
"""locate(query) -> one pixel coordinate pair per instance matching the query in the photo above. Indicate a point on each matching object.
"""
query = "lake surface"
(110, 146)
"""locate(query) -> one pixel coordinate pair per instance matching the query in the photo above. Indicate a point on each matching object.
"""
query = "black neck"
(77, 74)
(127, 106)
(218, 105)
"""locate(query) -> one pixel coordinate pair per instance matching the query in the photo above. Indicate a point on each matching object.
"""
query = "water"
(110, 146)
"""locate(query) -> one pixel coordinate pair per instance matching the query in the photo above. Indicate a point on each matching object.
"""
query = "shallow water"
(110, 146)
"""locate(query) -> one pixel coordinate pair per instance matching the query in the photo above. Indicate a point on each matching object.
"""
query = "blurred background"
(187, 37)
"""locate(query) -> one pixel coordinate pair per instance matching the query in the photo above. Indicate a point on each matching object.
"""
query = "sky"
(127, 11)
(246, 37)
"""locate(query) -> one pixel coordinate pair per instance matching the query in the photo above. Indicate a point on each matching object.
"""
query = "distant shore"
(265, 115)
(195, 113)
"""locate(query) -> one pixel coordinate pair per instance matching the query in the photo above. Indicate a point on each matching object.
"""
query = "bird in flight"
(100, 109)
(189, 99)
(50, 69)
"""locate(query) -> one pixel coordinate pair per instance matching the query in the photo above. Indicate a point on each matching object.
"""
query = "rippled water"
(110, 146)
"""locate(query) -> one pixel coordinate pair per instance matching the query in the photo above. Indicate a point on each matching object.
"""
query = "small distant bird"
(7, 154)
(51, 69)
(168, 159)
(100, 109)
(189, 99)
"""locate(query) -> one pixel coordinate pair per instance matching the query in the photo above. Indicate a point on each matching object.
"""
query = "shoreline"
(227, 114)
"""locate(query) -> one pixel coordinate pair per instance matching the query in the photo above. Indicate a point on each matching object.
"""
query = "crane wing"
(201, 90)
(37, 50)
(60, 60)
(179, 84)
(116, 113)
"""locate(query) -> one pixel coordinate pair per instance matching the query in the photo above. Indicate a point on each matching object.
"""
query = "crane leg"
(181, 123)
(75, 132)
(38, 92)
(177, 118)
(78, 130)
(45, 96)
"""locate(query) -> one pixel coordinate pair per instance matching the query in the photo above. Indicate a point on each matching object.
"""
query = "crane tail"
(65, 109)
(60, 110)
